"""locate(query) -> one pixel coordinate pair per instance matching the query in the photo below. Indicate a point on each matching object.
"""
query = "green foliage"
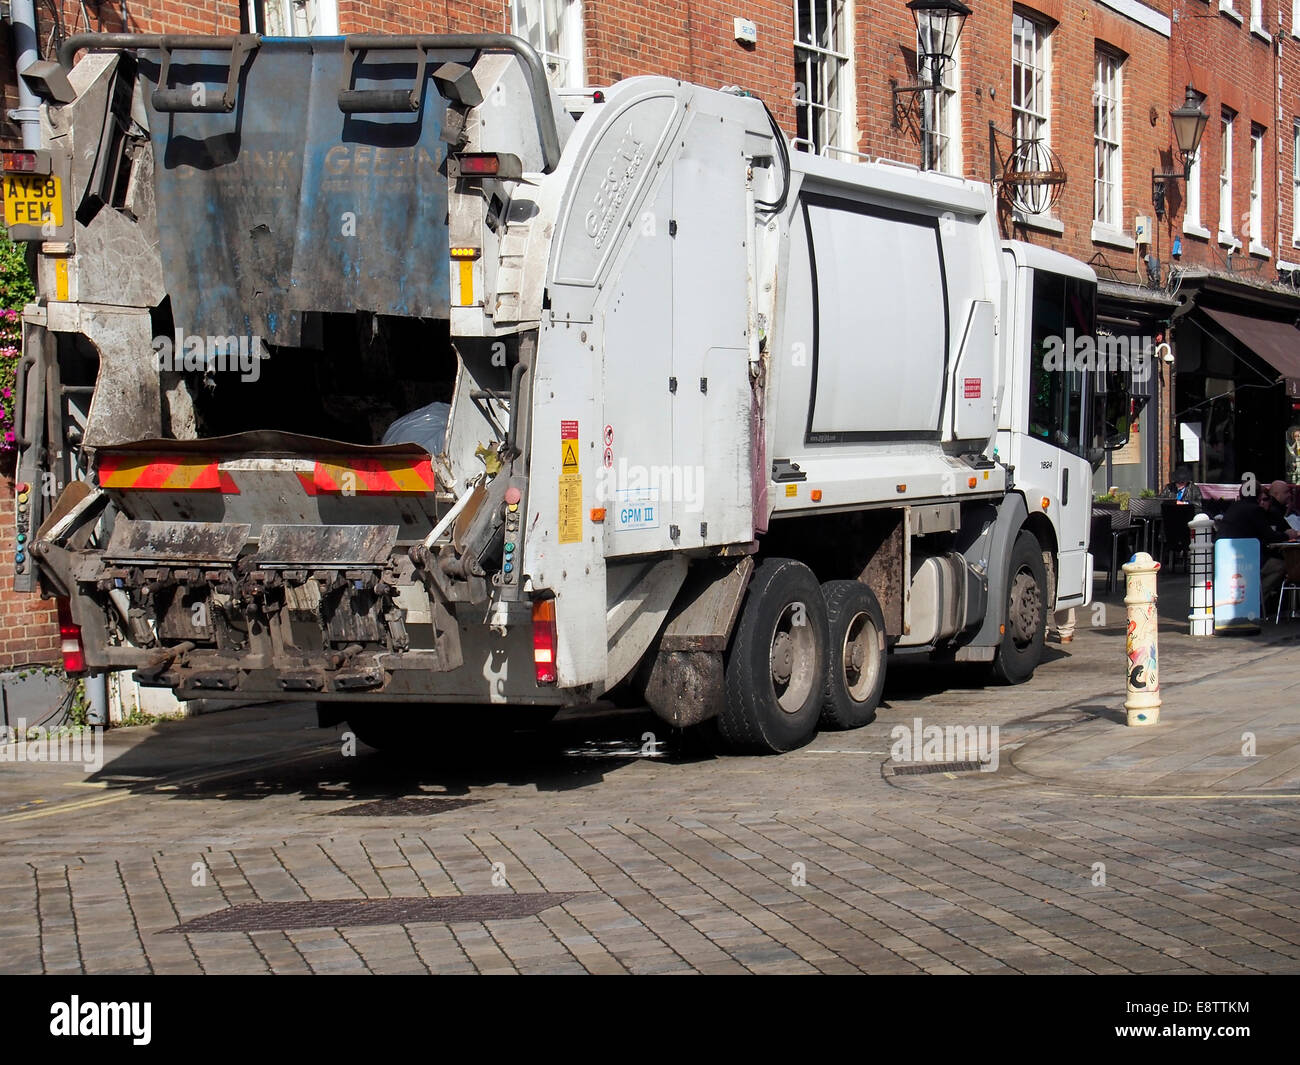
(16, 291)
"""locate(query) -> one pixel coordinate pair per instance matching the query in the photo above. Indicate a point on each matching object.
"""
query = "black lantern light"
(938, 26)
(1189, 124)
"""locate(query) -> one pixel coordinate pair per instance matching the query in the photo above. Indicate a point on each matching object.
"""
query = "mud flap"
(687, 687)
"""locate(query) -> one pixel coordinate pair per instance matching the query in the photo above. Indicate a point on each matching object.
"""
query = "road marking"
(164, 786)
(1213, 795)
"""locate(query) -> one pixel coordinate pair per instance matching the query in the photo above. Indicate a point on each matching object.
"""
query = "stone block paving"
(1092, 849)
(924, 886)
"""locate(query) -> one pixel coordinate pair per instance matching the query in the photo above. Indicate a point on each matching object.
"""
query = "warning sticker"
(972, 387)
(570, 508)
(569, 455)
(569, 447)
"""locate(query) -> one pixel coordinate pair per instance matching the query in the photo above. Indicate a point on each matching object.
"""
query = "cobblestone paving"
(819, 861)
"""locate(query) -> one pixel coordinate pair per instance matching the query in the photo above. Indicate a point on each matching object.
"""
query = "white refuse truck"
(373, 372)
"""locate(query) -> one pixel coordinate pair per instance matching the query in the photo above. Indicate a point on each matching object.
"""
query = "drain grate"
(404, 807)
(347, 913)
(936, 767)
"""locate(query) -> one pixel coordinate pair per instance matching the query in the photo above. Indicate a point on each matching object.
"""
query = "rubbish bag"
(426, 427)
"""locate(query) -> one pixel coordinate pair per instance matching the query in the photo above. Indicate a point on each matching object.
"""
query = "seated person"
(1182, 488)
(1286, 515)
(1249, 519)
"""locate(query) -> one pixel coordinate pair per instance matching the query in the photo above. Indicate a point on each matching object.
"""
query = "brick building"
(1093, 80)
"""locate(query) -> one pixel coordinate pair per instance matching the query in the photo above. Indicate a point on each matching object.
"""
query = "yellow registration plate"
(33, 199)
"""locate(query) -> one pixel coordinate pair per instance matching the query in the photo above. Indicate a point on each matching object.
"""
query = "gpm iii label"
(636, 508)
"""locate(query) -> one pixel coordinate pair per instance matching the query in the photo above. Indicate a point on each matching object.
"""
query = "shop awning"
(1277, 343)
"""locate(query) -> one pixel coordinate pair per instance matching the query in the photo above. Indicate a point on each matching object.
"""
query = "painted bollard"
(1200, 566)
(1143, 701)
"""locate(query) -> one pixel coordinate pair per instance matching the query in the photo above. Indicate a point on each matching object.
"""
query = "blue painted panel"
(287, 205)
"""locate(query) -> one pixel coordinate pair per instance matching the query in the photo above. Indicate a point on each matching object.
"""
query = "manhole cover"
(405, 807)
(347, 913)
(936, 767)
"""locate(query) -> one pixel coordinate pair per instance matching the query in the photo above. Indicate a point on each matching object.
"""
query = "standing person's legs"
(1064, 629)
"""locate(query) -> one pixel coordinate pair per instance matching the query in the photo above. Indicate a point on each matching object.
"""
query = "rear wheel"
(1022, 643)
(855, 674)
(776, 669)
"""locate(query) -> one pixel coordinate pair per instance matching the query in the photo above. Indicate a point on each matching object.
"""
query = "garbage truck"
(375, 372)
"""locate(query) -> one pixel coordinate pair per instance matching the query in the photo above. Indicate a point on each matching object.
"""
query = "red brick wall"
(695, 42)
(1233, 68)
(29, 633)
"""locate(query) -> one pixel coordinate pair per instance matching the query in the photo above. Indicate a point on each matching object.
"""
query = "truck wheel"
(776, 670)
(1022, 643)
(855, 674)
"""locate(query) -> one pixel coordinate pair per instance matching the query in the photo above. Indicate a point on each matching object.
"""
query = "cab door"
(1062, 353)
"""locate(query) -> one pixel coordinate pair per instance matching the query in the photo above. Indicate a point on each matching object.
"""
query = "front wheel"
(776, 669)
(1025, 626)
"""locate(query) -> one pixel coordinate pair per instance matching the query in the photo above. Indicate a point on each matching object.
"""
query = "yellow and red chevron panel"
(370, 476)
(162, 473)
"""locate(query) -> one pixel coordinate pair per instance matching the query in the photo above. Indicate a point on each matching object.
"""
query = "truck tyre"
(776, 669)
(855, 674)
(1025, 633)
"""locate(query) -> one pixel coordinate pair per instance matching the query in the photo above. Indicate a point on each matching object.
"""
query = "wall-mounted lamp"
(1189, 124)
(938, 26)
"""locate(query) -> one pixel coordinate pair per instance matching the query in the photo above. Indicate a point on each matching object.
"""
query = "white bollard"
(1200, 565)
(1143, 702)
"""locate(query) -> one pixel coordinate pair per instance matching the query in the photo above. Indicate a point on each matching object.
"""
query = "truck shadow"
(275, 751)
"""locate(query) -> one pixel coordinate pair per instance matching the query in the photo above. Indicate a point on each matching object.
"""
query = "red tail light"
(544, 641)
(20, 162)
(74, 657)
(489, 164)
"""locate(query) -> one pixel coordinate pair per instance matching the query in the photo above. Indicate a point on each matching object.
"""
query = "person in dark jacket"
(1249, 519)
(1182, 488)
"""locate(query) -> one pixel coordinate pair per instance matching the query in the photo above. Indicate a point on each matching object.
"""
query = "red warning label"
(568, 430)
(972, 387)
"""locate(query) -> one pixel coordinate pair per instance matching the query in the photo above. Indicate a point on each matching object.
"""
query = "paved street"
(590, 846)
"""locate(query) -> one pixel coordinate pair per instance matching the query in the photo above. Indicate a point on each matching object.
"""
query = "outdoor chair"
(1175, 534)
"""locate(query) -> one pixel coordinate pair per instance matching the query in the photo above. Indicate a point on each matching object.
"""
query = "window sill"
(1195, 229)
(1227, 240)
(1044, 222)
(1260, 250)
(1226, 8)
(1261, 33)
(1109, 235)
(1285, 267)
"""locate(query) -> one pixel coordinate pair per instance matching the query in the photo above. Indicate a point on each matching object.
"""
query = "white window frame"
(1107, 140)
(824, 77)
(556, 29)
(1295, 183)
(1257, 26)
(1256, 237)
(1031, 60)
(1227, 120)
(945, 112)
(295, 18)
